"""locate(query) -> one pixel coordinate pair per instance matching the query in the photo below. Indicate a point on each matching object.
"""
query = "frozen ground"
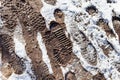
(71, 8)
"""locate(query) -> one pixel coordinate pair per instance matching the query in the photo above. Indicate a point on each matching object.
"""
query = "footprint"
(88, 51)
(62, 46)
(70, 76)
(99, 76)
(8, 52)
(49, 77)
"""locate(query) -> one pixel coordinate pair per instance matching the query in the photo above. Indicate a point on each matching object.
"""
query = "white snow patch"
(20, 49)
(24, 76)
(21, 52)
(64, 70)
(44, 52)
(1, 23)
(20, 43)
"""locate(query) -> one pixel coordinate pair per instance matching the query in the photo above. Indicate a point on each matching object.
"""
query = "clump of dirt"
(59, 15)
(91, 9)
(6, 70)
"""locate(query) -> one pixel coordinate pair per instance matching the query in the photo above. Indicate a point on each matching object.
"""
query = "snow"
(1, 23)
(115, 44)
(0, 4)
(44, 52)
(19, 48)
(71, 8)
(64, 70)
(24, 76)
(20, 43)
(20, 51)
